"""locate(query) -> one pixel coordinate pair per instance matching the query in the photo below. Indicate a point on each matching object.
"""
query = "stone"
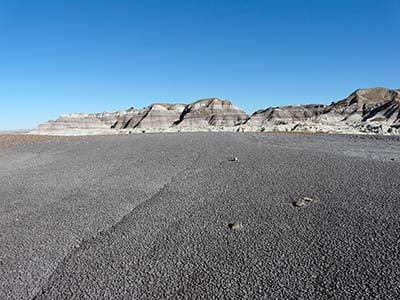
(302, 201)
(235, 226)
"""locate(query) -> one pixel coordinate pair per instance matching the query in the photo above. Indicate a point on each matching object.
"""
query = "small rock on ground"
(302, 201)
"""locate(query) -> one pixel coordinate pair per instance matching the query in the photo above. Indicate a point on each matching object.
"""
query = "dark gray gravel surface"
(160, 216)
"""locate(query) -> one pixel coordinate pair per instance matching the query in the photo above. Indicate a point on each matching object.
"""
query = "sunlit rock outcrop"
(211, 112)
(375, 110)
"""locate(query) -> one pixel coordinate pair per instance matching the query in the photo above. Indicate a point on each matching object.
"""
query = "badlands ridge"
(375, 110)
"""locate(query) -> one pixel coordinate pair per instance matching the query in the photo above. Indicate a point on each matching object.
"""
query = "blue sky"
(91, 56)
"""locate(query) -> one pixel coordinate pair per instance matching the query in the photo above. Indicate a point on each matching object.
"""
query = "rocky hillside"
(203, 115)
(211, 113)
(375, 110)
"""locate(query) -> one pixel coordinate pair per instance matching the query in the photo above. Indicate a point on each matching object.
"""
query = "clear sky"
(64, 56)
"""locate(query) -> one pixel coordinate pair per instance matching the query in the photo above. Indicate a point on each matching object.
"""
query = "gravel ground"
(160, 216)
(11, 139)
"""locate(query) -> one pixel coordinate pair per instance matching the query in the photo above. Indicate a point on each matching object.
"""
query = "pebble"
(235, 226)
(303, 201)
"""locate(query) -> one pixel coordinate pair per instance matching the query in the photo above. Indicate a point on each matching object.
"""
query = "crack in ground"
(85, 241)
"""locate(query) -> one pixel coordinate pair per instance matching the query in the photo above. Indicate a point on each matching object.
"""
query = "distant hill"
(16, 131)
(374, 110)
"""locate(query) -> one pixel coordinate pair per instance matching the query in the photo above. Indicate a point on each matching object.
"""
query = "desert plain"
(200, 216)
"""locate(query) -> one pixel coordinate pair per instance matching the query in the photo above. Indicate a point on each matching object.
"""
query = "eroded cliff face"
(375, 110)
(285, 114)
(205, 114)
(211, 112)
(83, 124)
(159, 115)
